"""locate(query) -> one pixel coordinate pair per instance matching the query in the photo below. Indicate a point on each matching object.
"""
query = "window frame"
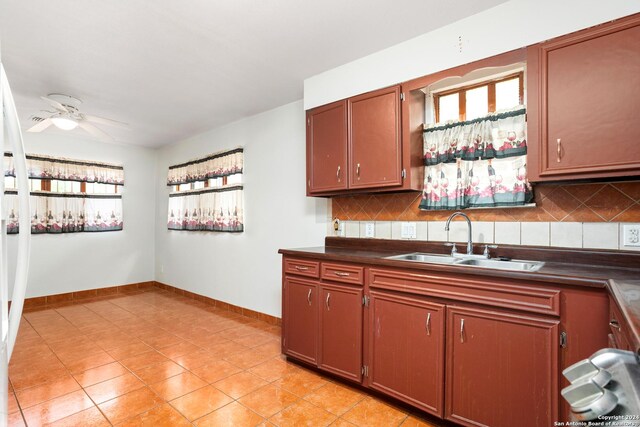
(491, 95)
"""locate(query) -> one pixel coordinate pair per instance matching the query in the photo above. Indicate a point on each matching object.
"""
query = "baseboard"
(38, 302)
(272, 320)
(70, 297)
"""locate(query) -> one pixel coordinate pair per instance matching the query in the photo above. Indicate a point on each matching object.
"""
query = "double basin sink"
(513, 265)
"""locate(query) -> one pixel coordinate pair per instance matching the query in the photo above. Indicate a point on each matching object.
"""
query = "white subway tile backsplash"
(534, 233)
(352, 228)
(507, 233)
(383, 229)
(436, 232)
(483, 232)
(422, 230)
(458, 231)
(396, 230)
(600, 235)
(566, 234)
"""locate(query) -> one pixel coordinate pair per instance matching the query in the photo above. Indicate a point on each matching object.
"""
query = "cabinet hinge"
(365, 301)
(404, 173)
(401, 96)
(365, 371)
(563, 339)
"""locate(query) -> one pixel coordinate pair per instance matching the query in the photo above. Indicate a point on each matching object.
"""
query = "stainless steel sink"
(514, 265)
(428, 258)
(503, 265)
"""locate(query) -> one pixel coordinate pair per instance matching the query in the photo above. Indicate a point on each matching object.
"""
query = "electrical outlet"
(369, 229)
(631, 234)
(408, 230)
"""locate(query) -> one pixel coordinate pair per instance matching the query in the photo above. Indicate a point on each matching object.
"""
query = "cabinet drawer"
(618, 327)
(479, 290)
(302, 267)
(342, 273)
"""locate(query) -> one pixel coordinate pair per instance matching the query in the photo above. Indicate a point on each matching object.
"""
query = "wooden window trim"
(491, 92)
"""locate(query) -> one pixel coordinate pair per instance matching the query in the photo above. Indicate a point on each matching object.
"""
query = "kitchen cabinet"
(322, 315)
(583, 99)
(501, 368)
(356, 145)
(327, 168)
(407, 349)
(301, 320)
(375, 149)
(341, 330)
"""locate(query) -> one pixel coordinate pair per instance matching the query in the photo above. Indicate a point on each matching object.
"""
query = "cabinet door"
(341, 330)
(327, 148)
(406, 349)
(300, 315)
(501, 369)
(588, 89)
(375, 149)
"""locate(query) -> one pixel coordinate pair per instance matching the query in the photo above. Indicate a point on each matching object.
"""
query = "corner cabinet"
(583, 98)
(356, 145)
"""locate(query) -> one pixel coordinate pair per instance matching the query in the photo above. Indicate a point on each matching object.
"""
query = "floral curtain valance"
(212, 166)
(45, 167)
(212, 209)
(478, 163)
(66, 213)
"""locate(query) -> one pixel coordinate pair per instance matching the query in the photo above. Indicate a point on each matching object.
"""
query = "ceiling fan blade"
(104, 121)
(94, 131)
(40, 126)
(55, 104)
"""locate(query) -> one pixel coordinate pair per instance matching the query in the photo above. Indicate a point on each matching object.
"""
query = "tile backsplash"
(573, 216)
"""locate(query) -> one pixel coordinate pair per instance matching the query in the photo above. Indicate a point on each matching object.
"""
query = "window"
(474, 101)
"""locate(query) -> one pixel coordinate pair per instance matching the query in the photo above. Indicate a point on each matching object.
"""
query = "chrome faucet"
(469, 242)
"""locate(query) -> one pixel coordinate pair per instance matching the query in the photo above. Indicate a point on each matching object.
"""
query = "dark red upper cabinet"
(375, 147)
(583, 103)
(327, 148)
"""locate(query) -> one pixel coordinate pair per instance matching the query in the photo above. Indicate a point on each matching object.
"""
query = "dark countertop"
(617, 271)
(626, 294)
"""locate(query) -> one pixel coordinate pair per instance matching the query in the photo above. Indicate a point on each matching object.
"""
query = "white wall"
(244, 268)
(80, 261)
(506, 27)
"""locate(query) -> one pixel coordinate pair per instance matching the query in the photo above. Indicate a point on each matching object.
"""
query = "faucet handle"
(486, 250)
(454, 250)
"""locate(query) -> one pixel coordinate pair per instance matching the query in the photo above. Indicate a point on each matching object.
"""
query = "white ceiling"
(173, 69)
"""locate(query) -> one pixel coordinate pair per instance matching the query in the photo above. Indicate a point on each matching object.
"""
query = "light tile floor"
(158, 359)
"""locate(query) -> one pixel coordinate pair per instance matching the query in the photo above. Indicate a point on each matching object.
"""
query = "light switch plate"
(408, 230)
(369, 229)
(631, 234)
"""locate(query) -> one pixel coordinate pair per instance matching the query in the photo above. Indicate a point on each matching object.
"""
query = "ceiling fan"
(67, 116)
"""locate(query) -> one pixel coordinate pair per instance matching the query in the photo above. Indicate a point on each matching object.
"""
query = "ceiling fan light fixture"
(64, 123)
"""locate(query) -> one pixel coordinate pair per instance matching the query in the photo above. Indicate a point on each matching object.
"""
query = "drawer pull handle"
(341, 274)
(358, 171)
(309, 297)
(461, 330)
(559, 152)
(428, 325)
(338, 174)
(301, 268)
(614, 324)
(327, 301)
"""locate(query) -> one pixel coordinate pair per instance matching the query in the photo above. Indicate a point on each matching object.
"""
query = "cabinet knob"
(559, 147)
(309, 297)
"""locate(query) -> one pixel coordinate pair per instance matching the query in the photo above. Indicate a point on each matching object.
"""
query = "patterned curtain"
(45, 167)
(212, 166)
(477, 163)
(211, 209)
(66, 213)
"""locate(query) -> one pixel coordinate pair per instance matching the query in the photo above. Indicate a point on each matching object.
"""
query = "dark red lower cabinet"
(406, 349)
(300, 314)
(501, 369)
